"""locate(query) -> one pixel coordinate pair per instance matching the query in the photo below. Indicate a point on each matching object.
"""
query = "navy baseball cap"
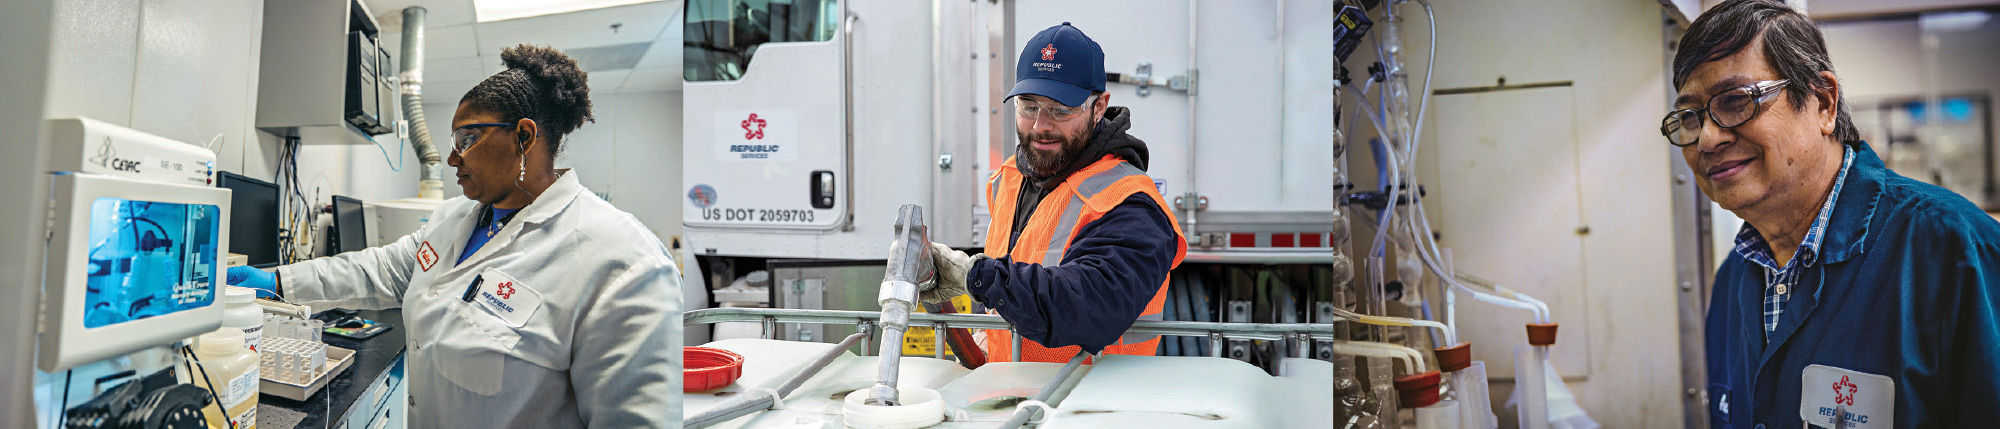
(1060, 63)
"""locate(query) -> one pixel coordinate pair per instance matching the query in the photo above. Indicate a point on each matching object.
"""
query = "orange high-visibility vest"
(1083, 197)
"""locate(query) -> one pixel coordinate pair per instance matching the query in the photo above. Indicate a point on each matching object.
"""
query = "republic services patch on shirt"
(1865, 400)
(507, 298)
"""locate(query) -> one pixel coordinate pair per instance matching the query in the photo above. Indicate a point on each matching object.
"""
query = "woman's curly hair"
(540, 83)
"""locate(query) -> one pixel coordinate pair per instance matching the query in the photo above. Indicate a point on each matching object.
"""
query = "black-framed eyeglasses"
(1728, 109)
(463, 137)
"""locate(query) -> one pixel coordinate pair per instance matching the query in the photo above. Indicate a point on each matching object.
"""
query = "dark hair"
(540, 83)
(1792, 44)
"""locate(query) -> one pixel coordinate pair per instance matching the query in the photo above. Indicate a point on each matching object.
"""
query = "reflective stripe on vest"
(1082, 201)
(1090, 186)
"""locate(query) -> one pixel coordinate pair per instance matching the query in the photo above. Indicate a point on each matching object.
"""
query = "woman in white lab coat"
(529, 302)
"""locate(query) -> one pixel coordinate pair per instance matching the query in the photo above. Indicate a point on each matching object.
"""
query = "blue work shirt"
(488, 225)
(1779, 279)
(1905, 295)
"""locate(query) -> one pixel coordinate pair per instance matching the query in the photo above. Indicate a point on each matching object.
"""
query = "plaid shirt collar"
(1752, 247)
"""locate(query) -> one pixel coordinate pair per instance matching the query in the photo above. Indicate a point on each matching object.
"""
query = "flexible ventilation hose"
(431, 183)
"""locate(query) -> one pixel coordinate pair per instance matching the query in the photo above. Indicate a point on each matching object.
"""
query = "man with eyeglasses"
(1855, 297)
(1081, 241)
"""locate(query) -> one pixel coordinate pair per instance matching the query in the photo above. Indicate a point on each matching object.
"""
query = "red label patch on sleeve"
(427, 258)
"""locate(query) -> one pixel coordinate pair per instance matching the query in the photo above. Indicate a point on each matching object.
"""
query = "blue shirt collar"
(1752, 247)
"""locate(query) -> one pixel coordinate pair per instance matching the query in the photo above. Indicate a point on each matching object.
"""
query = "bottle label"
(253, 337)
(247, 420)
(243, 388)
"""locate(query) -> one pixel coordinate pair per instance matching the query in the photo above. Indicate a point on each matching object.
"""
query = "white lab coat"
(587, 335)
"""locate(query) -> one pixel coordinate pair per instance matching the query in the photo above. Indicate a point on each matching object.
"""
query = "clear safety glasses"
(1027, 110)
(463, 137)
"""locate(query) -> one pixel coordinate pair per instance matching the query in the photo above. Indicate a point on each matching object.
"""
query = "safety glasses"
(463, 137)
(1728, 109)
(1027, 110)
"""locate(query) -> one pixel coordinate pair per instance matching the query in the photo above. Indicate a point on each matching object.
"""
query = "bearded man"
(1081, 241)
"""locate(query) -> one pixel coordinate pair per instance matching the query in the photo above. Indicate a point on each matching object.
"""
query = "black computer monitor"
(253, 218)
(349, 225)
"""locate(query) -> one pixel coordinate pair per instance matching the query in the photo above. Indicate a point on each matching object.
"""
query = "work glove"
(952, 266)
(265, 282)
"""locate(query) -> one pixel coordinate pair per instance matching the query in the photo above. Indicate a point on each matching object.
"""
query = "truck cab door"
(764, 139)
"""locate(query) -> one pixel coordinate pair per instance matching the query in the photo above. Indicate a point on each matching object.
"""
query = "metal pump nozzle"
(910, 271)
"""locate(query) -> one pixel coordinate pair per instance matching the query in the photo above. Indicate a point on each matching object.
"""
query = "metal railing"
(1216, 332)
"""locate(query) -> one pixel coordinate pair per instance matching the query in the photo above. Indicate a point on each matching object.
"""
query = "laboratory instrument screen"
(149, 259)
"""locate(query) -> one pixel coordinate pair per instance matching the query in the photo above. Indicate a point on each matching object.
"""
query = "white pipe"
(1541, 308)
(1424, 104)
(1496, 300)
(1411, 359)
(1430, 257)
(1444, 288)
(1450, 334)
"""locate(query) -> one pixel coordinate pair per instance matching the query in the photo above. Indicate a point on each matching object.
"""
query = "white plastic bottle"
(232, 375)
(241, 312)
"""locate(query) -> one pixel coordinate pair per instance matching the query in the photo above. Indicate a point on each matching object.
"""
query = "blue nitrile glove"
(265, 282)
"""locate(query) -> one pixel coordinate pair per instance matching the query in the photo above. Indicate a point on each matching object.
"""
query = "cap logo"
(1049, 52)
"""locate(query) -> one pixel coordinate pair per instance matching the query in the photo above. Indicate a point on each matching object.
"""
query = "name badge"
(1829, 394)
(507, 298)
(1720, 394)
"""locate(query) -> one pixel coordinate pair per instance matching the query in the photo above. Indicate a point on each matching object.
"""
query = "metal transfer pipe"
(1022, 415)
(895, 320)
(750, 403)
(910, 269)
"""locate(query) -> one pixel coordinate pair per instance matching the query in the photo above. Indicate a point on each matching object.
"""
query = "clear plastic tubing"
(1382, 381)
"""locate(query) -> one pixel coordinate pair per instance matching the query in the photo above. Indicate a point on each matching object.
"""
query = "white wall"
(632, 154)
(181, 69)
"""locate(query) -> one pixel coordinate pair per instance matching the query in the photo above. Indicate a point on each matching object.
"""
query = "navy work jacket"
(1907, 287)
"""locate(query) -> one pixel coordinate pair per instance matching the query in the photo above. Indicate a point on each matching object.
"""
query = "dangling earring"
(523, 165)
(523, 177)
